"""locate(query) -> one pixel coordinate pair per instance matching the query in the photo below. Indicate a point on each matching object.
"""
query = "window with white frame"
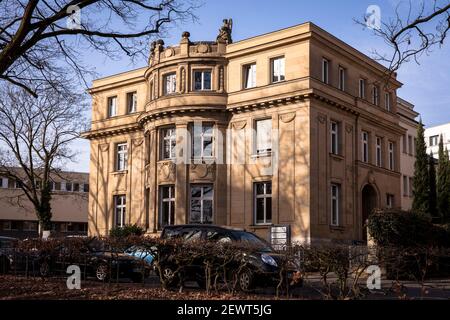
(277, 68)
(68, 186)
(378, 152)
(341, 78)
(202, 140)
(263, 202)
(3, 182)
(86, 187)
(201, 208)
(389, 200)
(30, 226)
(325, 70)
(119, 210)
(167, 206)
(112, 106)
(375, 95)
(362, 88)
(202, 80)
(249, 72)
(131, 102)
(170, 83)
(168, 143)
(434, 140)
(263, 136)
(335, 198)
(391, 155)
(387, 101)
(334, 132)
(365, 146)
(121, 156)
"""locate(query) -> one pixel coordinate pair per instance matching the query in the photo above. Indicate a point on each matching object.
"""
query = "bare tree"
(417, 28)
(40, 39)
(35, 137)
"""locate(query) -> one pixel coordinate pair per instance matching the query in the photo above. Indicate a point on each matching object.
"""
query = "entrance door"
(369, 202)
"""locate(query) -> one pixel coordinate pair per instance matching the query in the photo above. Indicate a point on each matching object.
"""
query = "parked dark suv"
(262, 263)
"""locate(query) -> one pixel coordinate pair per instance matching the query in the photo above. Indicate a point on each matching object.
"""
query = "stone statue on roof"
(225, 31)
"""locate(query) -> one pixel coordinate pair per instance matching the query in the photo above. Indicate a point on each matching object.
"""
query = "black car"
(262, 263)
(97, 260)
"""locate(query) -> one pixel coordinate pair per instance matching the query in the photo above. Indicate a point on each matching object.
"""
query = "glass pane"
(165, 214)
(197, 81)
(207, 146)
(165, 192)
(172, 148)
(207, 211)
(260, 210)
(268, 188)
(196, 192)
(207, 80)
(208, 129)
(260, 188)
(195, 211)
(207, 192)
(268, 209)
(263, 135)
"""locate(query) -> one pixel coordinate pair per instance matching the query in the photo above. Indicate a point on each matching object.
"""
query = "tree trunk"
(44, 212)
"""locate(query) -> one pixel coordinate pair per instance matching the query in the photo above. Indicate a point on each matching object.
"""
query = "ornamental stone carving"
(287, 117)
(104, 147)
(166, 171)
(203, 48)
(169, 52)
(239, 125)
(203, 172)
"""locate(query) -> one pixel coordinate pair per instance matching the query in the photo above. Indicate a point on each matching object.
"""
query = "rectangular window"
(391, 155)
(387, 101)
(69, 186)
(365, 146)
(362, 88)
(170, 83)
(30, 226)
(121, 156)
(112, 106)
(119, 210)
(405, 143)
(202, 142)
(389, 200)
(335, 191)
(334, 131)
(76, 187)
(167, 206)
(249, 72)
(325, 70)
(378, 152)
(375, 95)
(405, 186)
(201, 204)
(410, 145)
(277, 67)
(151, 88)
(86, 187)
(18, 184)
(57, 186)
(131, 102)
(434, 140)
(202, 80)
(3, 182)
(11, 225)
(341, 79)
(411, 185)
(168, 140)
(263, 202)
(263, 136)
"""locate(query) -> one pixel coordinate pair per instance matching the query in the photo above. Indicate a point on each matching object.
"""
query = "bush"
(391, 227)
(126, 231)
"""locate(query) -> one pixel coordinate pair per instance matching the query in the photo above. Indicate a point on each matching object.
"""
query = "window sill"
(121, 172)
(204, 160)
(261, 155)
(261, 225)
(337, 228)
(336, 156)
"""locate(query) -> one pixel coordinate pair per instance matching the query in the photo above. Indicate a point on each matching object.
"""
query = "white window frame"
(203, 136)
(278, 69)
(132, 102)
(387, 101)
(202, 199)
(435, 139)
(335, 203)
(334, 136)
(378, 152)
(202, 82)
(390, 200)
(342, 74)
(170, 83)
(121, 156)
(120, 208)
(365, 146)
(264, 196)
(391, 148)
(325, 70)
(249, 78)
(260, 150)
(112, 106)
(170, 140)
(3, 182)
(171, 201)
(362, 88)
(375, 95)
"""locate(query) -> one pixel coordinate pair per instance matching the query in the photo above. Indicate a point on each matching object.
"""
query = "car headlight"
(268, 260)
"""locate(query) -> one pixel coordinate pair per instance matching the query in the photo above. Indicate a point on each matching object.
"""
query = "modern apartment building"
(69, 206)
(408, 121)
(293, 128)
(432, 136)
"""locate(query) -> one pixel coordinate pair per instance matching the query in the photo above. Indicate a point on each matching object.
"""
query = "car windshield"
(253, 240)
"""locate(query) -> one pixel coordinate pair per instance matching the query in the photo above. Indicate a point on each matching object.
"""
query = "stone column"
(182, 204)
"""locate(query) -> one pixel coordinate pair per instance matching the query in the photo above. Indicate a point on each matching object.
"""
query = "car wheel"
(168, 276)
(44, 269)
(101, 272)
(245, 280)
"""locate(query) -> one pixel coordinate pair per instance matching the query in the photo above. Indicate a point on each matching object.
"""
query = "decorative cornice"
(94, 134)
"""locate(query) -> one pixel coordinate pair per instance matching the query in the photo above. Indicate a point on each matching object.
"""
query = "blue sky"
(426, 85)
